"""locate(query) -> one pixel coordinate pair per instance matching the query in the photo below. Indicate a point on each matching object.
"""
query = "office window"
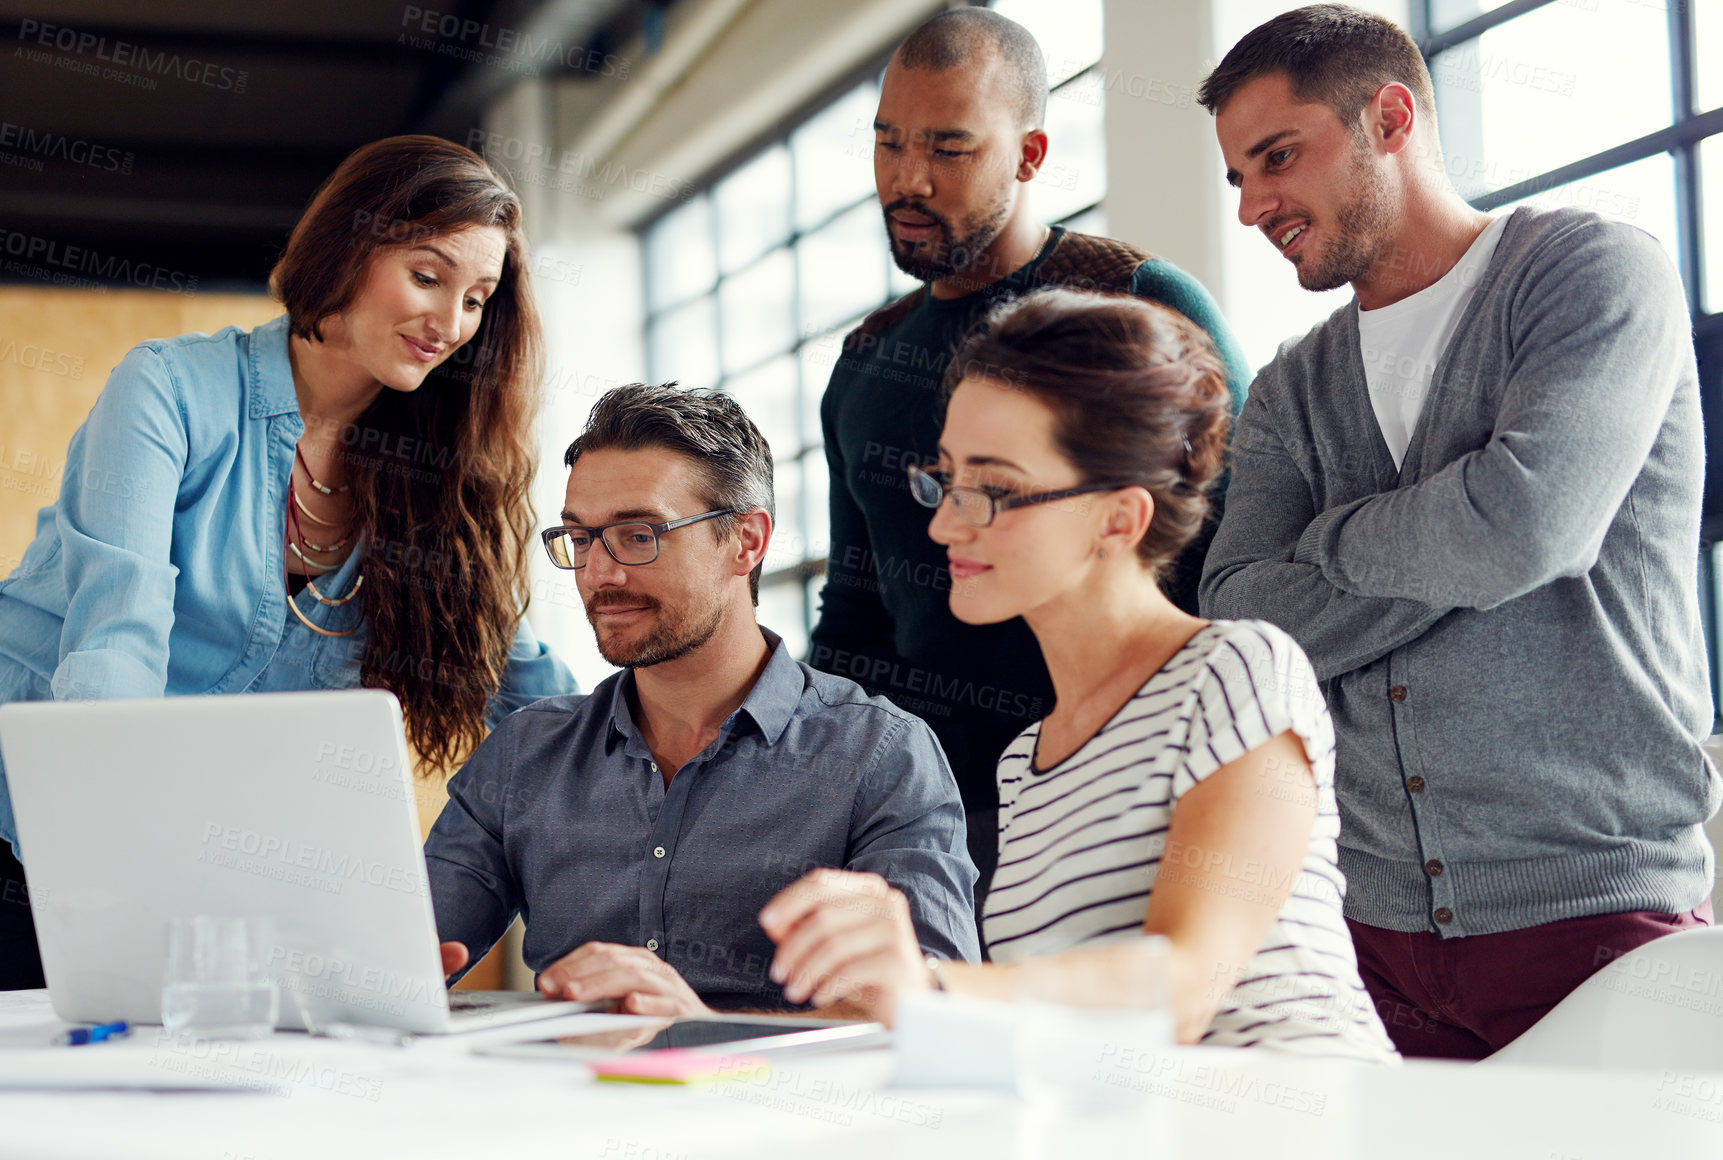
(1551, 87)
(1708, 47)
(1641, 192)
(753, 282)
(1711, 182)
(1446, 14)
(1595, 103)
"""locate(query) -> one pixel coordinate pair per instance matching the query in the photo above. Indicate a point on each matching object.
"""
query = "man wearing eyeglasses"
(958, 137)
(640, 829)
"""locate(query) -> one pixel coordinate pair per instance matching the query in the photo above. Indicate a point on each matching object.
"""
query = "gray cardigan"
(1507, 629)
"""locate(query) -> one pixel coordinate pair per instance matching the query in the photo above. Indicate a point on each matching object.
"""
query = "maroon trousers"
(1464, 998)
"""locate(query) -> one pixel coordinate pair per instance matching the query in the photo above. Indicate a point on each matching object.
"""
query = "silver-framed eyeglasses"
(631, 542)
(977, 506)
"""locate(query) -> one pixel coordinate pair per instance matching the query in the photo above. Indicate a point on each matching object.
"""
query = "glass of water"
(213, 984)
(1095, 1028)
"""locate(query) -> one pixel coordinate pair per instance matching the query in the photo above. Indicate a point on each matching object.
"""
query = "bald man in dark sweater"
(957, 137)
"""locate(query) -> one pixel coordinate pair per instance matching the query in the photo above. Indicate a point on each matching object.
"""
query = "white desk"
(333, 1099)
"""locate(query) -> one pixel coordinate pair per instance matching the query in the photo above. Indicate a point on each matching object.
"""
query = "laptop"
(296, 808)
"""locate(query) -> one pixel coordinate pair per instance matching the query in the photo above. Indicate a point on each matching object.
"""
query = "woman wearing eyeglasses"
(1183, 783)
(334, 499)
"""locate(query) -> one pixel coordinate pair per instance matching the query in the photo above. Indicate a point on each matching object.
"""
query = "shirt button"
(654, 766)
(1415, 784)
(1443, 915)
(651, 944)
(1433, 868)
(1397, 693)
(658, 851)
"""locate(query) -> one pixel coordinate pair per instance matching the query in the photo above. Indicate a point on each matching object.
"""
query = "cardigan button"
(1443, 915)
(1433, 868)
(1415, 784)
(1397, 693)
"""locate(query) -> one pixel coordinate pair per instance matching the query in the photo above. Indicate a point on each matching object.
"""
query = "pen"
(79, 1036)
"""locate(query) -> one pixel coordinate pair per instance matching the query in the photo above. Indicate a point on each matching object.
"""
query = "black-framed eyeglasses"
(977, 506)
(630, 542)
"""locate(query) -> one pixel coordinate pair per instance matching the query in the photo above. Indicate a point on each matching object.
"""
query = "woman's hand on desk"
(639, 981)
(844, 935)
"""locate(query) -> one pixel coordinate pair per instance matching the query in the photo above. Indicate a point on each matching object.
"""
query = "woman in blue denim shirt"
(334, 499)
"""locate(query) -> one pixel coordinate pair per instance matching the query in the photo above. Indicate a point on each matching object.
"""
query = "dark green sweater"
(884, 618)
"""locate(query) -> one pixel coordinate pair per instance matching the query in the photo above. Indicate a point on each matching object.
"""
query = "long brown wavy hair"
(439, 475)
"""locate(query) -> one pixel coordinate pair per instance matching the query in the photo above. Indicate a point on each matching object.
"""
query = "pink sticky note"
(677, 1065)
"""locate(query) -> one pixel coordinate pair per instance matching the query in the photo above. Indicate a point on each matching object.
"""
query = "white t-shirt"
(1081, 844)
(1403, 342)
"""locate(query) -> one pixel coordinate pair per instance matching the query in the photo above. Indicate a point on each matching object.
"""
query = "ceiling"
(175, 140)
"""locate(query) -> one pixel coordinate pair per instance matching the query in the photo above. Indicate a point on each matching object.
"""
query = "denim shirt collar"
(270, 374)
(771, 702)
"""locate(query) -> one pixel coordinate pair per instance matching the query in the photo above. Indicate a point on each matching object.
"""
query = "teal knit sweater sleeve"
(1159, 280)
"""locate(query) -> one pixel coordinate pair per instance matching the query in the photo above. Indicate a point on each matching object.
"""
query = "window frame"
(1680, 138)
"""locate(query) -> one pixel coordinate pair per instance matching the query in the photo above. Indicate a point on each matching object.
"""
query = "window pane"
(1642, 194)
(1555, 85)
(1075, 175)
(1711, 220)
(817, 357)
(1069, 32)
(684, 345)
(1093, 221)
(816, 498)
(782, 610)
(834, 156)
(1708, 56)
(753, 208)
(768, 394)
(756, 308)
(1446, 14)
(788, 547)
(842, 271)
(897, 282)
(679, 261)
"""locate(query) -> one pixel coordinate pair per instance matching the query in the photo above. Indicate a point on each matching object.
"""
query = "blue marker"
(79, 1036)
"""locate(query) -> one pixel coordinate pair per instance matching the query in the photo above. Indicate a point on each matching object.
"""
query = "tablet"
(721, 1034)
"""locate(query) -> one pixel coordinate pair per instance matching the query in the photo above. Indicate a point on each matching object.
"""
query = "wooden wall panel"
(56, 349)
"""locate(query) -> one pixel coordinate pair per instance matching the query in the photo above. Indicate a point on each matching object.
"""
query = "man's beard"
(1357, 242)
(673, 637)
(951, 252)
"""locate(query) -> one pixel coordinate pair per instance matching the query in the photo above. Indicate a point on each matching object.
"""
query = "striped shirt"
(1081, 843)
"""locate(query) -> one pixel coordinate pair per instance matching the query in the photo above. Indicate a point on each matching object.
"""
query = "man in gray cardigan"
(1472, 495)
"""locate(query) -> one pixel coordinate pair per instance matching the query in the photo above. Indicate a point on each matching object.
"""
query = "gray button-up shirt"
(562, 816)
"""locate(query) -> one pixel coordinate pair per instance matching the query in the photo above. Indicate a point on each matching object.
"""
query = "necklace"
(309, 514)
(294, 533)
(311, 587)
(321, 550)
(300, 455)
(294, 548)
(294, 604)
(298, 533)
